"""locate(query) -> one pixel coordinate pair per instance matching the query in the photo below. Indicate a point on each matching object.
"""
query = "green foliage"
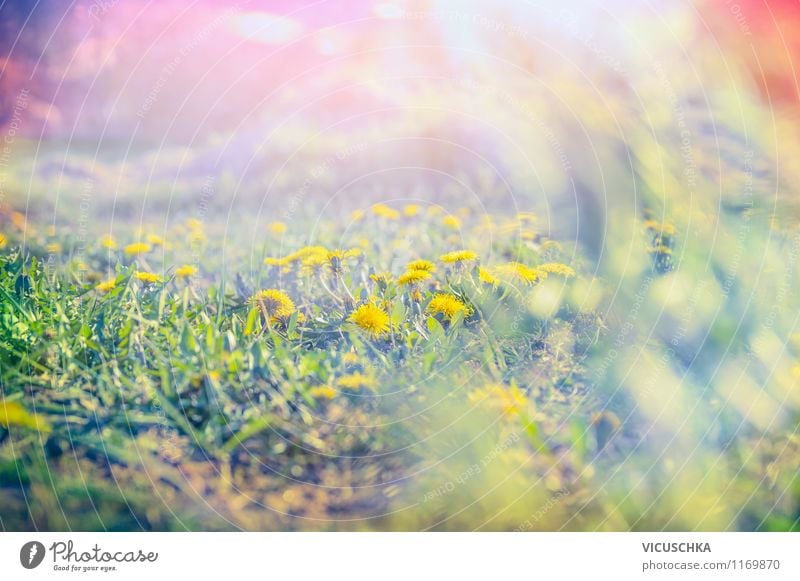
(121, 386)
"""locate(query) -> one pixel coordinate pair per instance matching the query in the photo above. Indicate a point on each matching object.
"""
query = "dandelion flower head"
(371, 319)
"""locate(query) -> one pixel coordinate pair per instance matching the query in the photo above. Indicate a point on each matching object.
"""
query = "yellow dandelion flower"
(385, 211)
(528, 235)
(274, 304)
(12, 414)
(3, 240)
(356, 215)
(371, 319)
(356, 381)
(307, 251)
(278, 227)
(304, 253)
(486, 277)
(350, 358)
(196, 230)
(337, 258)
(155, 240)
(655, 226)
(421, 265)
(557, 268)
(413, 277)
(381, 278)
(186, 271)
(323, 392)
(18, 219)
(510, 400)
(520, 271)
(451, 222)
(137, 248)
(660, 249)
(410, 210)
(342, 255)
(53, 248)
(458, 257)
(447, 305)
(148, 277)
(270, 261)
(107, 285)
(308, 255)
(108, 242)
(314, 262)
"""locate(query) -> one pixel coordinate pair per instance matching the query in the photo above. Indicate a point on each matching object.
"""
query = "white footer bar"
(389, 556)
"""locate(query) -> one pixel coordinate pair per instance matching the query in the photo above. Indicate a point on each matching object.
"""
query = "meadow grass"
(422, 370)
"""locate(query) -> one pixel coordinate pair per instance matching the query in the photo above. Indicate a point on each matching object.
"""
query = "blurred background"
(578, 110)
